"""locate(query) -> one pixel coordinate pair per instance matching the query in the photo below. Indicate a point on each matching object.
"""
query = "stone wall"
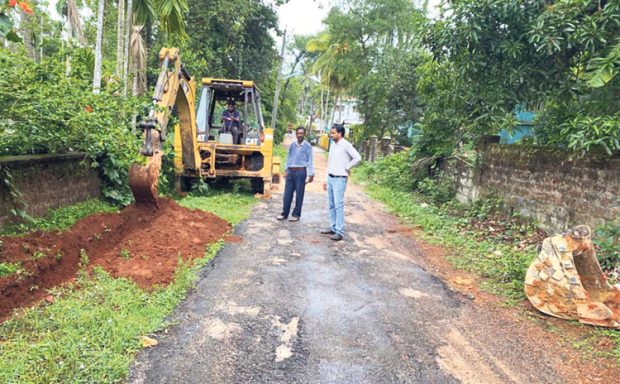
(48, 182)
(373, 148)
(548, 185)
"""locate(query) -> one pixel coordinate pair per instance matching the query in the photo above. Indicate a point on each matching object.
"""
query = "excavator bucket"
(143, 181)
(566, 281)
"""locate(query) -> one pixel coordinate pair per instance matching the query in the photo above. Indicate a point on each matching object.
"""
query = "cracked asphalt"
(287, 305)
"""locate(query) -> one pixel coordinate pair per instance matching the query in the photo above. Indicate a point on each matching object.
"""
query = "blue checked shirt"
(300, 156)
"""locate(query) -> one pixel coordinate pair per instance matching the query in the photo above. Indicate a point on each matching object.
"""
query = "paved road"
(286, 305)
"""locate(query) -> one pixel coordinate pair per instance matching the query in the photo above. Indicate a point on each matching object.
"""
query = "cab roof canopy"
(227, 84)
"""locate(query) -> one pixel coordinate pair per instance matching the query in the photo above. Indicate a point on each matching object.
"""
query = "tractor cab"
(214, 97)
(219, 155)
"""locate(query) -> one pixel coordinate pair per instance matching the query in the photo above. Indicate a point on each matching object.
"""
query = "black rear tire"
(258, 185)
(183, 184)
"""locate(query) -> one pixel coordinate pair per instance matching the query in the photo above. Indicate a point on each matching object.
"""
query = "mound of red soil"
(140, 243)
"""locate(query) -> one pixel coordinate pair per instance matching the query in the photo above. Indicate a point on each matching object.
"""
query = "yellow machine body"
(251, 157)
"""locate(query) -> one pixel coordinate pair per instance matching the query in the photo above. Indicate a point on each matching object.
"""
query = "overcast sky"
(304, 17)
(300, 17)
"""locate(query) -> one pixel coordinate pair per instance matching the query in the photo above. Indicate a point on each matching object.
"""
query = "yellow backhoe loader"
(202, 149)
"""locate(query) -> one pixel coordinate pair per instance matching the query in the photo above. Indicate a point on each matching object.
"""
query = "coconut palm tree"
(128, 27)
(169, 13)
(75, 23)
(335, 71)
(70, 9)
(98, 44)
(138, 61)
(120, 38)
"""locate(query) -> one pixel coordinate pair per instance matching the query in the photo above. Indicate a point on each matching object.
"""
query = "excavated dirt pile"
(140, 243)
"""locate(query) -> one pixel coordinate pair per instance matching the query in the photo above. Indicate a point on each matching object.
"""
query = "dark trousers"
(295, 182)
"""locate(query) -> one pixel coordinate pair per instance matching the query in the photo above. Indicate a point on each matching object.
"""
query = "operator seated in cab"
(230, 119)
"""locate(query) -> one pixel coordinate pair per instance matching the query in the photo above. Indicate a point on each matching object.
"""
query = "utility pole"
(274, 113)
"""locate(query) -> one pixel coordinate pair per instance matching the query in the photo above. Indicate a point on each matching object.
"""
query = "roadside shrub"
(393, 171)
(438, 190)
(44, 109)
(607, 241)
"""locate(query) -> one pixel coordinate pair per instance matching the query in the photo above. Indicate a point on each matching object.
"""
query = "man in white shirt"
(342, 157)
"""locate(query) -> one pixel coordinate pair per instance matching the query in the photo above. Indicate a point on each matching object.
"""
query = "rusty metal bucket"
(566, 281)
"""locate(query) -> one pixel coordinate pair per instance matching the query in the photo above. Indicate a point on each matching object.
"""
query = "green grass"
(125, 254)
(232, 206)
(500, 265)
(90, 334)
(8, 268)
(281, 151)
(59, 219)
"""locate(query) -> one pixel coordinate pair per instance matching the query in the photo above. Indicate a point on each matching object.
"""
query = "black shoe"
(336, 237)
(327, 232)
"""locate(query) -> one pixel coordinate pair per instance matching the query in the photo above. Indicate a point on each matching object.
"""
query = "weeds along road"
(287, 305)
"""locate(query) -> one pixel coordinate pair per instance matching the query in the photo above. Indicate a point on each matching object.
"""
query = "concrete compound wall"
(549, 185)
(48, 182)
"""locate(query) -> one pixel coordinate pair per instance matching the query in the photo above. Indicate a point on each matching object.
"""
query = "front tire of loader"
(258, 185)
(183, 184)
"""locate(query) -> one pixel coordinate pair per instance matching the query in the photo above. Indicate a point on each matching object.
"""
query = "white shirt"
(342, 157)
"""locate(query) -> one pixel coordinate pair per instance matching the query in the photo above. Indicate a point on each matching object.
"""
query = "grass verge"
(59, 219)
(281, 151)
(91, 330)
(89, 334)
(501, 266)
(233, 207)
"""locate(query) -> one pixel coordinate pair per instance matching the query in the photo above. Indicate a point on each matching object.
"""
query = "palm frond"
(143, 10)
(138, 52)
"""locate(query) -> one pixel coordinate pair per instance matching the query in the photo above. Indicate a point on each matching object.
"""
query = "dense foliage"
(559, 58)
(447, 80)
(231, 40)
(42, 110)
(46, 99)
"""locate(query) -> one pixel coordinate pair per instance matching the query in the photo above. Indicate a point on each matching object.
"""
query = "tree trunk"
(74, 21)
(303, 100)
(120, 35)
(336, 98)
(128, 38)
(311, 118)
(148, 42)
(98, 43)
(325, 111)
(27, 34)
(321, 109)
(298, 58)
(138, 61)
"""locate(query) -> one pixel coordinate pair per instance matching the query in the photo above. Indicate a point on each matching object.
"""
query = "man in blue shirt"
(298, 167)
(230, 118)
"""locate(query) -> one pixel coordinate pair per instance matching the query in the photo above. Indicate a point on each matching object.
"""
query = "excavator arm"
(174, 87)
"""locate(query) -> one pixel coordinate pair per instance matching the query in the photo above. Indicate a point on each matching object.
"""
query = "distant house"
(525, 122)
(346, 110)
